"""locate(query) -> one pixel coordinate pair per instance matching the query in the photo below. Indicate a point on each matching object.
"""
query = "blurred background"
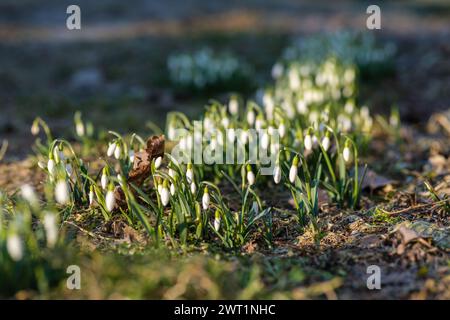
(125, 66)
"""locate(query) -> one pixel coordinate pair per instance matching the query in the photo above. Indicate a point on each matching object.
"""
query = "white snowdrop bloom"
(51, 167)
(189, 142)
(349, 106)
(277, 174)
(104, 180)
(269, 105)
(193, 188)
(35, 129)
(225, 122)
(131, 156)
(206, 199)
(51, 231)
(158, 162)
(277, 71)
(172, 189)
(270, 130)
(159, 188)
(308, 142)
(217, 220)
(294, 79)
(79, 128)
(265, 140)
(346, 153)
(171, 132)
(189, 173)
(172, 173)
(233, 106)
(274, 148)
(111, 149)
(165, 194)
(315, 141)
(326, 143)
(62, 192)
(14, 247)
(250, 176)
(117, 152)
(259, 124)
(110, 200)
(231, 135)
(349, 75)
(29, 194)
(183, 143)
(243, 137)
(91, 196)
(394, 120)
(294, 170)
(251, 117)
(282, 130)
(302, 107)
(365, 112)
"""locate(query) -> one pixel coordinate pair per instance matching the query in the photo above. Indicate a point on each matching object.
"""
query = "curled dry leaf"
(141, 167)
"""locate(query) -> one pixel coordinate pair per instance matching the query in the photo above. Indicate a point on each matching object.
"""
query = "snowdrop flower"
(231, 136)
(117, 152)
(251, 117)
(225, 122)
(265, 140)
(282, 130)
(131, 156)
(243, 137)
(294, 169)
(62, 192)
(326, 142)
(217, 220)
(189, 173)
(14, 247)
(172, 189)
(110, 199)
(29, 194)
(111, 149)
(308, 142)
(158, 162)
(104, 179)
(193, 188)
(294, 79)
(51, 230)
(346, 153)
(205, 199)
(259, 123)
(277, 71)
(165, 194)
(51, 167)
(301, 107)
(277, 174)
(250, 175)
(233, 106)
(269, 105)
(35, 128)
(172, 173)
(91, 196)
(79, 128)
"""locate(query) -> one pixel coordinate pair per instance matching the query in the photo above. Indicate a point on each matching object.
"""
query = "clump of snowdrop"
(205, 68)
